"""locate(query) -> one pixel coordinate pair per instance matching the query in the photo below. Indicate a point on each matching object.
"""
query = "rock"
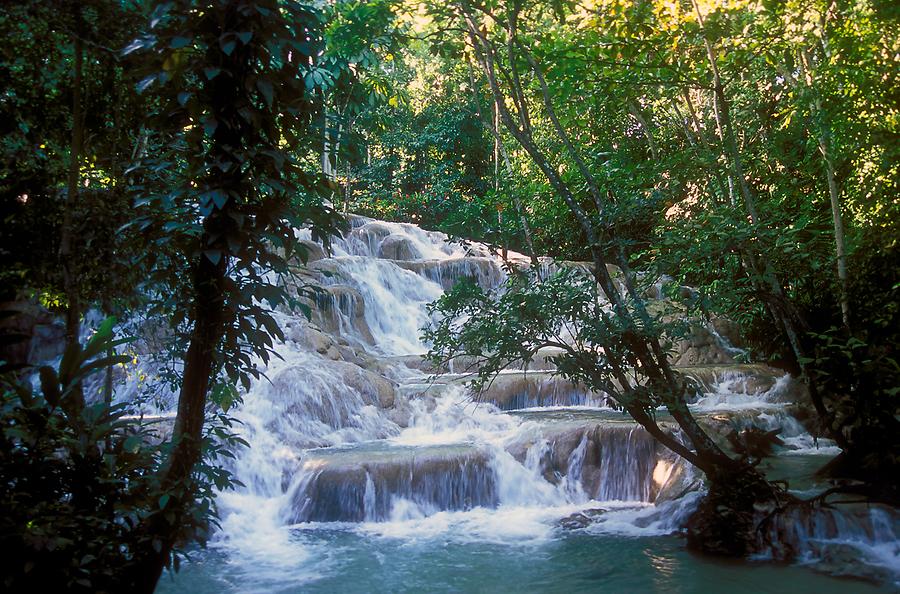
(700, 348)
(379, 389)
(747, 378)
(351, 485)
(729, 331)
(314, 251)
(371, 234)
(576, 521)
(310, 338)
(340, 311)
(581, 519)
(483, 271)
(397, 247)
(846, 560)
(41, 334)
(515, 391)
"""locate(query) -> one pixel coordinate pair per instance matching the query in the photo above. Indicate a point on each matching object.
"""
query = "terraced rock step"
(364, 482)
(574, 456)
(515, 389)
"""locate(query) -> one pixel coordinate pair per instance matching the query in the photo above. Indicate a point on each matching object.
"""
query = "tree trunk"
(834, 193)
(635, 110)
(840, 245)
(501, 148)
(70, 283)
(777, 301)
(209, 317)
(209, 324)
(643, 353)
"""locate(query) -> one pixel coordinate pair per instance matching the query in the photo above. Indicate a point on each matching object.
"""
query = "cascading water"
(363, 473)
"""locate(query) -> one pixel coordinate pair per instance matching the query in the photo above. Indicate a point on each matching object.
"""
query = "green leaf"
(265, 87)
(227, 46)
(99, 340)
(180, 42)
(99, 364)
(214, 256)
(49, 384)
(132, 444)
(70, 362)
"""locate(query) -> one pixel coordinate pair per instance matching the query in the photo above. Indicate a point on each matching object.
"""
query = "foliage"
(563, 311)
(242, 88)
(36, 114)
(721, 144)
(79, 479)
(229, 187)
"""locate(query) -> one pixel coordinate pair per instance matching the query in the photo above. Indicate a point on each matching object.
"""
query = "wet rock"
(701, 347)
(364, 484)
(310, 338)
(340, 310)
(581, 519)
(357, 221)
(371, 234)
(513, 391)
(314, 251)
(846, 560)
(481, 270)
(728, 330)
(41, 335)
(366, 382)
(397, 247)
(750, 379)
(609, 460)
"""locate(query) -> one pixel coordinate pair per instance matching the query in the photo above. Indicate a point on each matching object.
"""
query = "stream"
(370, 471)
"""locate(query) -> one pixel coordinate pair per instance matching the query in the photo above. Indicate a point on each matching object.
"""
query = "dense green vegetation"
(156, 156)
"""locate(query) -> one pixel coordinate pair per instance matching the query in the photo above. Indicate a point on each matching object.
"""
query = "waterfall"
(348, 431)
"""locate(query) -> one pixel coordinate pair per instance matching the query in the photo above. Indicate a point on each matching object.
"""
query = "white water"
(330, 450)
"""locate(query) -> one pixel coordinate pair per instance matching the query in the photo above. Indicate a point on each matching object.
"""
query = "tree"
(241, 86)
(78, 477)
(619, 346)
(38, 168)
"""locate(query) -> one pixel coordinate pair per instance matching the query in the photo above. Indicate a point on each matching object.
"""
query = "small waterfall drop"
(350, 433)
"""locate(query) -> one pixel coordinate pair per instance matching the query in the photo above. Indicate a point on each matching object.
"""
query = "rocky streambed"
(370, 469)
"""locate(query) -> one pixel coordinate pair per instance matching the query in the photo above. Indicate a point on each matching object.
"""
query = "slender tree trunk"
(834, 193)
(67, 260)
(635, 110)
(701, 138)
(840, 245)
(778, 303)
(733, 528)
(209, 317)
(501, 147)
(654, 364)
(73, 310)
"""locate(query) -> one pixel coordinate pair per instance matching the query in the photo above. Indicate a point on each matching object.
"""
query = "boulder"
(34, 334)
(314, 251)
(398, 247)
(701, 347)
(340, 310)
(379, 389)
(581, 519)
